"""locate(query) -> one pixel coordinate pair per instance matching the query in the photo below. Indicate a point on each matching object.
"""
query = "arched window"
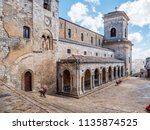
(26, 32)
(113, 32)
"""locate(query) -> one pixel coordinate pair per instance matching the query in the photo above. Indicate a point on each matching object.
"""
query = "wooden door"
(28, 81)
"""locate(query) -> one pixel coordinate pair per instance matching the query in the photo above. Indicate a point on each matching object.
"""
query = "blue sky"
(89, 13)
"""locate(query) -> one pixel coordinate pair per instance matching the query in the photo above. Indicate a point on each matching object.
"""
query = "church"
(38, 48)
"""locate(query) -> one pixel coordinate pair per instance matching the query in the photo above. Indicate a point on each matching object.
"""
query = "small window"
(82, 37)
(96, 54)
(125, 32)
(69, 33)
(129, 60)
(111, 55)
(113, 32)
(99, 42)
(85, 53)
(26, 32)
(69, 51)
(104, 55)
(47, 5)
(91, 40)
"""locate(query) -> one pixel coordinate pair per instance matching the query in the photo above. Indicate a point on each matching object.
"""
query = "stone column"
(93, 81)
(112, 75)
(120, 72)
(106, 75)
(83, 85)
(99, 80)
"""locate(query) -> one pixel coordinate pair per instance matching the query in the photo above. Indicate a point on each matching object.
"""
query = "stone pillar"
(106, 75)
(116, 72)
(99, 80)
(120, 72)
(112, 75)
(83, 85)
(93, 81)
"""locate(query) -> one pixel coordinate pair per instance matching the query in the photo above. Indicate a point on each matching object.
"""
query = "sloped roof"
(90, 59)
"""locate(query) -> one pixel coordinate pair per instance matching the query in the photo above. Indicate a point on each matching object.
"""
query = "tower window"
(125, 32)
(91, 40)
(26, 32)
(69, 51)
(82, 37)
(47, 4)
(113, 32)
(69, 33)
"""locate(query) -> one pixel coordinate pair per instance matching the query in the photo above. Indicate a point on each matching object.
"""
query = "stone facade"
(146, 71)
(37, 48)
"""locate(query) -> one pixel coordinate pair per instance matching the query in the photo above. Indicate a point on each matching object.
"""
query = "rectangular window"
(96, 54)
(69, 51)
(85, 53)
(47, 5)
(99, 42)
(82, 37)
(91, 40)
(69, 33)
(26, 32)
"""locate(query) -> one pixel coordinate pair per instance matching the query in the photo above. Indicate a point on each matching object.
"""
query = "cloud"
(80, 13)
(138, 12)
(139, 53)
(95, 2)
(77, 12)
(135, 37)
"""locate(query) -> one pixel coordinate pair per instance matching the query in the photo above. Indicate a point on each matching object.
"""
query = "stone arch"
(96, 77)
(66, 81)
(113, 32)
(114, 72)
(87, 79)
(47, 40)
(28, 80)
(103, 75)
(109, 73)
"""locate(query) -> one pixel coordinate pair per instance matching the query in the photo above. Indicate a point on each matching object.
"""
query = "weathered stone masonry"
(37, 48)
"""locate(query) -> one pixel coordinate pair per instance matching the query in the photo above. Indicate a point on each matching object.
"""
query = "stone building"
(146, 71)
(37, 48)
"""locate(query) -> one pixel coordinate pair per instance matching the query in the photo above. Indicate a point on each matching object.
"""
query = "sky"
(89, 13)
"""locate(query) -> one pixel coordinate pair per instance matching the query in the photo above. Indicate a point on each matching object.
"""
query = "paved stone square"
(132, 95)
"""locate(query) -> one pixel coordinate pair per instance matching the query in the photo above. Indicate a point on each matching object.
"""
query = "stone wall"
(79, 49)
(76, 31)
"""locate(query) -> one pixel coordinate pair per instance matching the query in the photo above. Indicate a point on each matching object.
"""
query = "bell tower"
(116, 37)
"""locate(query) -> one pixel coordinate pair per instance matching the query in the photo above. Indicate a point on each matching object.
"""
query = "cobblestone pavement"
(130, 96)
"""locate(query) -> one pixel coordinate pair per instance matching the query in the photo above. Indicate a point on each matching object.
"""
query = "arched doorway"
(104, 75)
(96, 77)
(66, 79)
(121, 71)
(109, 73)
(118, 72)
(114, 72)
(28, 81)
(87, 80)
